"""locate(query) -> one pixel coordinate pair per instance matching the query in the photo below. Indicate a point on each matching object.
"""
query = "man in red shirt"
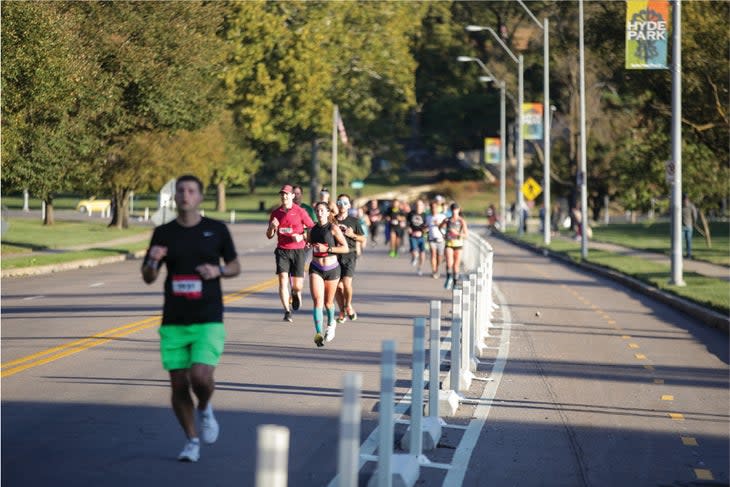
(289, 223)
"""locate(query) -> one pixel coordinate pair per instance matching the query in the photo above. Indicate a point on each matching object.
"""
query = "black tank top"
(322, 234)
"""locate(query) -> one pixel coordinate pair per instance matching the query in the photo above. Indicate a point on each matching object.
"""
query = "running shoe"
(414, 261)
(435, 275)
(319, 339)
(352, 315)
(331, 332)
(420, 272)
(288, 317)
(208, 427)
(341, 317)
(296, 301)
(449, 284)
(191, 451)
(393, 253)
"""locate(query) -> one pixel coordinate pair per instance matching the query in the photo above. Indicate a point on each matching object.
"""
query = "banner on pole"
(491, 150)
(532, 121)
(647, 34)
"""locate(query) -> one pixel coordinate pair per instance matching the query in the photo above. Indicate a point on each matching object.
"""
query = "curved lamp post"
(502, 132)
(520, 136)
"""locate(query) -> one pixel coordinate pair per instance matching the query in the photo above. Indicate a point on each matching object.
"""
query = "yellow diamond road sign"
(531, 189)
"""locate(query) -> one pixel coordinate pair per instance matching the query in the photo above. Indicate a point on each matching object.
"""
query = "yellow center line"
(704, 474)
(55, 353)
(689, 441)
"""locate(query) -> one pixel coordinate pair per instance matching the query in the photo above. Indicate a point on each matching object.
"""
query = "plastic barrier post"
(272, 456)
(349, 451)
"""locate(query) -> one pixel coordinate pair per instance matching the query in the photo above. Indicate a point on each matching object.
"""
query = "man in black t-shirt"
(354, 233)
(417, 228)
(192, 333)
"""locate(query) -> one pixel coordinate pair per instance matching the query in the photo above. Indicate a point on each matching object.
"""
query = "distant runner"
(354, 234)
(436, 243)
(456, 231)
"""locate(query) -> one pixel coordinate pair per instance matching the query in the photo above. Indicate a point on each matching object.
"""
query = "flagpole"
(335, 116)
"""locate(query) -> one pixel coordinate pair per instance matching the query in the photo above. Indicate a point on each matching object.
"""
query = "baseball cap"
(286, 189)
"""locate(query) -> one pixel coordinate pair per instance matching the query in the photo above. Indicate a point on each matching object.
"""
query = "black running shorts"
(290, 261)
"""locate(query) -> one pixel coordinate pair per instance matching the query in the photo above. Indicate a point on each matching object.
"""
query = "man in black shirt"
(192, 333)
(354, 233)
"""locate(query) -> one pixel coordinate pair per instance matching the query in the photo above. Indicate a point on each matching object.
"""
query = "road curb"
(705, 315)
(74, 264)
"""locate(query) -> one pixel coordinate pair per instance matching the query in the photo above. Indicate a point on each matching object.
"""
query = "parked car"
(92, 205)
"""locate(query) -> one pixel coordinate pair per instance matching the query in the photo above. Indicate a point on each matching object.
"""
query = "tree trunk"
(314, 174)
(50, 218)
(708, 237)
(220, 203)
(120, 208)
(252, 184)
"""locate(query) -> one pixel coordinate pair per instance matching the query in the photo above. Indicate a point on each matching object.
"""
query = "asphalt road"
(602, 388)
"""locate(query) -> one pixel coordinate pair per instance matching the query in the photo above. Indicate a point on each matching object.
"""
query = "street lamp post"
(502, 134)
(520, 137)
(547, 122)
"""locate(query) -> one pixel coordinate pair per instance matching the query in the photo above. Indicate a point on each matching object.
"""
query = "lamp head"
(486, 79)
(464, 59)
(475, 28)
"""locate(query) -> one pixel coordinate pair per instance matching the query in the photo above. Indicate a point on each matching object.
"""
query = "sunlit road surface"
(593, 385)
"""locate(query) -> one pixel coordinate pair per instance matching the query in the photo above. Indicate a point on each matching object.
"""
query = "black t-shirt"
(417, 223)
(188, 298)
(354, 223)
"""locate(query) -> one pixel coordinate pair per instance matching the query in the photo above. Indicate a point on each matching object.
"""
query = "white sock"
(208, 409)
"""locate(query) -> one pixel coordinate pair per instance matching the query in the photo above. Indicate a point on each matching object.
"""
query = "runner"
(416, 229)
(289, 223)
(374, 215)
(192, 333)
(397, 220)
(351, 228)
(436, 242)
(326, 240)
(455, 229)
(298, 200)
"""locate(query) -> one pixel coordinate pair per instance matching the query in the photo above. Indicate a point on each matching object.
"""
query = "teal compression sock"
(330, 314)
(317, 314)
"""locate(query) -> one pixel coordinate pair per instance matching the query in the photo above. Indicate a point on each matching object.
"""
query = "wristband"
(221, 269)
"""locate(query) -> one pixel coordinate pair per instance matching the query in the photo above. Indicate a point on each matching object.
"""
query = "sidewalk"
(706, 269)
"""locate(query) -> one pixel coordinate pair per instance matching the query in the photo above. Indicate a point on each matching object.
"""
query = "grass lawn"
(26, 237)
(28, 234)
(708, 291)
(656, 237)
(47, 259)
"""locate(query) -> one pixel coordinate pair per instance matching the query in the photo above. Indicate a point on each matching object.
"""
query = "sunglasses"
(342, 203)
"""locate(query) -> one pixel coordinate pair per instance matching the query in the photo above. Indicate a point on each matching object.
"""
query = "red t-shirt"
(291, 222)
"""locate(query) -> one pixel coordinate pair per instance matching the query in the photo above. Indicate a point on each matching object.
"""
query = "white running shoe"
(191, 452)
(331, 332)
(208, 427)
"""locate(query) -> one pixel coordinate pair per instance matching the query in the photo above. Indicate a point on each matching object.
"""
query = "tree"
(156, 67)
(45, 142)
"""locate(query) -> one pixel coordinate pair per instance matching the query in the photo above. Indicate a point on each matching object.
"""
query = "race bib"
(285, 230)
(188, 286)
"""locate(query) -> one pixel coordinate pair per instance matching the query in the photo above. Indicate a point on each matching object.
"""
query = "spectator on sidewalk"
(689, 217)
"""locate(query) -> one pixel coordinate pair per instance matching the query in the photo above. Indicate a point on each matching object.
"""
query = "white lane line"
(462, 455)
(30, 298)
(96, 284)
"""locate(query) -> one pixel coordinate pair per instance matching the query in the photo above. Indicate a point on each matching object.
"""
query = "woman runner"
(455, 231)
(326, 239)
